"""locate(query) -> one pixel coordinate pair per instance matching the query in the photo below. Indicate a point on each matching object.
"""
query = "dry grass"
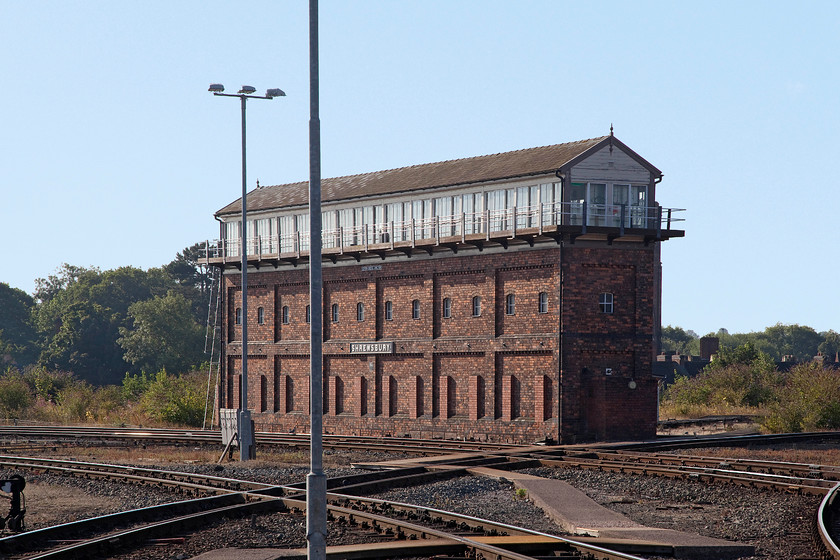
(669, 411)
(163, 455)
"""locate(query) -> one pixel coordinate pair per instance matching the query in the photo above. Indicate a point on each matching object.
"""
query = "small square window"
(605, 302)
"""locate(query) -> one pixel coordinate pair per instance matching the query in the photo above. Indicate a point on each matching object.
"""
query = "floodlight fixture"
(245, 430)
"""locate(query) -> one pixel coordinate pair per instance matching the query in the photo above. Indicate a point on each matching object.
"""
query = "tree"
(47, 288)
(830, 345)
(79, 324)
(162, 335)
(192, 280)
(680, 341)
(17, 336)
(745, 354)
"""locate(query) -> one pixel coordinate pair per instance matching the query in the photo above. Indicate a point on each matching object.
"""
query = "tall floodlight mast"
(246, 434)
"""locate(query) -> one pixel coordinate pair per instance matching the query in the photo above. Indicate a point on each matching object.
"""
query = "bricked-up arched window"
(238, 318)
(389, 311)
(415, 309)
(605, 302)
(284, 314)
(476, 306)
(308, 314)
(510, 304)
(335, 313)
(260, 315)
(447, 308)
(360, 311)
(543, 302)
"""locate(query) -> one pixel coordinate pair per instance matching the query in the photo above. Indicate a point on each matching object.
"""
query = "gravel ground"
(772, 522)
(776, 524)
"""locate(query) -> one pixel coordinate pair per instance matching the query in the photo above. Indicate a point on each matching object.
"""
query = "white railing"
(489, 223)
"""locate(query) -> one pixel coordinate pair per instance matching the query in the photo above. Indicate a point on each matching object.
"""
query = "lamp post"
(246, 436)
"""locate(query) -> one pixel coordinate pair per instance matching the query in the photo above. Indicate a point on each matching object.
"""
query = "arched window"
(308, 314)
(605, 302)
(510, 304)
(260, 315)
(447, 308)
(476, 305)
(360, 311)
(285, 314)
(238, 318)
(415, 309)
(389, 311)
(543, 302)
(335, 313)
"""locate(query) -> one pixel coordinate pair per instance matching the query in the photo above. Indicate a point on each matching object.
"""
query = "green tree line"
(801, 342)
(101, 325)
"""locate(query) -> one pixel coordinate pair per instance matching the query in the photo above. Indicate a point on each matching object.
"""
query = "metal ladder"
(211, 334)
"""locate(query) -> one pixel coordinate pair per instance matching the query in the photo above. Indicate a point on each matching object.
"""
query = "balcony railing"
(506, 222)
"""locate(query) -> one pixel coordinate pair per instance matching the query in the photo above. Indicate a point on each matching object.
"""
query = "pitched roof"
(520, 163)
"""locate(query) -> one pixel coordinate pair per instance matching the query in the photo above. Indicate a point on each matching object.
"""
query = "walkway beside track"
(581, 516)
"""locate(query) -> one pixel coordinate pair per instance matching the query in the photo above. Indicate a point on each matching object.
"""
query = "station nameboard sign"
(371, 347)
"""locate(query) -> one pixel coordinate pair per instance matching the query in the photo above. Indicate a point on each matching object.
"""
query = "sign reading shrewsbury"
(371, 347)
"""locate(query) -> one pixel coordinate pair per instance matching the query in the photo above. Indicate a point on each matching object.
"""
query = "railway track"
(229, 497)
(24, 435)
(209, 497)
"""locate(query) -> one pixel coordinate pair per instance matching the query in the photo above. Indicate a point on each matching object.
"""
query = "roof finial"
(258, 183)
(611, 129)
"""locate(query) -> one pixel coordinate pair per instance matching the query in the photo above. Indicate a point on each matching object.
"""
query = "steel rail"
(827, 513)
(261, 493)
(795, 484)
(404, 529)
(422, 446)
(138, 475)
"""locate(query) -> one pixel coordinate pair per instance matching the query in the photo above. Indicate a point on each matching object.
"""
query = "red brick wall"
(491, 377)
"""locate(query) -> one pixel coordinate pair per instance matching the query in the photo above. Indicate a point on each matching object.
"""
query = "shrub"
(15, 394)
(809, 400)
(48, 384)
(732, 386)
(75, 403)
(175, 399)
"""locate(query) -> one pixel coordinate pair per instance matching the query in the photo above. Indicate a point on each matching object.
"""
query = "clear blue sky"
(113, 152)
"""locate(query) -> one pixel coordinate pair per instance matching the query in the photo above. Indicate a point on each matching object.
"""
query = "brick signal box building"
(510, 297)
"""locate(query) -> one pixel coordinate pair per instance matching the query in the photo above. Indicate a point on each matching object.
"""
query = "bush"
(48, 384)
(175, 399)
(729, 387)
(809, 400)
(15, 394)
(75, 403)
